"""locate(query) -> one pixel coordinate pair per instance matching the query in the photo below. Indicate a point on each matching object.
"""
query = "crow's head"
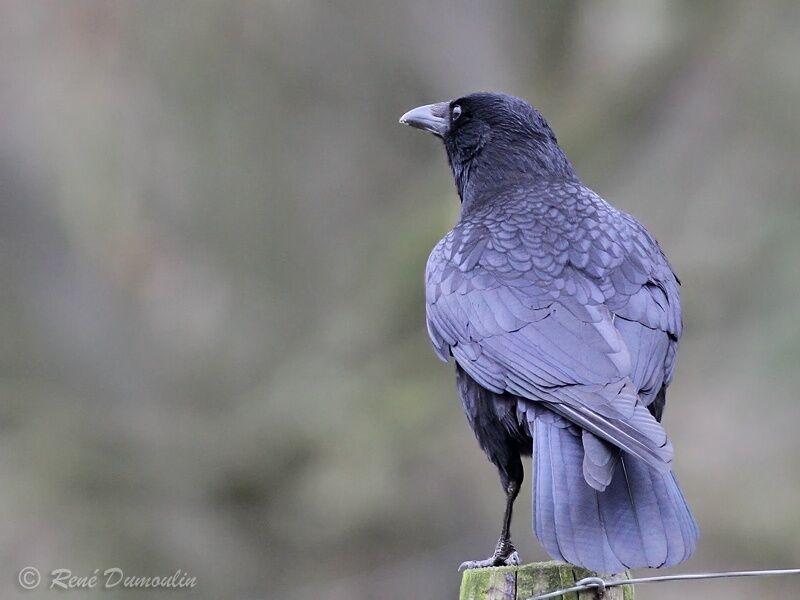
(493, 139)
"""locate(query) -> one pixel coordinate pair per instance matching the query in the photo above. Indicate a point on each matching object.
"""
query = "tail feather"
(599, 461)
(640, 520)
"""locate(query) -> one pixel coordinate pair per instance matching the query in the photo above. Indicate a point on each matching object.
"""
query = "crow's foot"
(504, 555)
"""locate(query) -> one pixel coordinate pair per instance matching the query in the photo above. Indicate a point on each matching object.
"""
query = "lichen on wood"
(525, 581)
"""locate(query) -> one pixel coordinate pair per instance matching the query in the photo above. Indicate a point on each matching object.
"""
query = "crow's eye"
(455, 112)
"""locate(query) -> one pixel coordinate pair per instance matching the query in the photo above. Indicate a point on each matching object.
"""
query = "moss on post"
(526, 581)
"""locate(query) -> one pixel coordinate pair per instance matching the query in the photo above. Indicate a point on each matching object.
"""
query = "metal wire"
(601, 584)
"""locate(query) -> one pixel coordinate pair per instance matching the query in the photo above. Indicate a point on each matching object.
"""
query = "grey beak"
(431, 117)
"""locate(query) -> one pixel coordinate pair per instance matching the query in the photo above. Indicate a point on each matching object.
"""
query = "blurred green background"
(212, 238)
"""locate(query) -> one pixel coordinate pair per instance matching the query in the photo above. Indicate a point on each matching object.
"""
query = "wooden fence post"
(526, 581)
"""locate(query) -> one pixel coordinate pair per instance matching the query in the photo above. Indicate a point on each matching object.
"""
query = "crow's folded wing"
(532, 317)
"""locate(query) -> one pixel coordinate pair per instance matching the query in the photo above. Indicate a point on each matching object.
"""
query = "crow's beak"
(431, 117)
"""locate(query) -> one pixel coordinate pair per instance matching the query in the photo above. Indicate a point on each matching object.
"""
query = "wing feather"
(579, 313)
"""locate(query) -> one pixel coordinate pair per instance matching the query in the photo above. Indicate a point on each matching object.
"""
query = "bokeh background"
(212, 238)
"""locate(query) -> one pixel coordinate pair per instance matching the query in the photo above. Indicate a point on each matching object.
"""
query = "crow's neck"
(492, 171)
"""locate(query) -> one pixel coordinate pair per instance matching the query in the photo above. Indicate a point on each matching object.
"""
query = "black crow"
(563, 317)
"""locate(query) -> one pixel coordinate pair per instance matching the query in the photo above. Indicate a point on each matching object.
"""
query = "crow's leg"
(493, 420)
(504, 551)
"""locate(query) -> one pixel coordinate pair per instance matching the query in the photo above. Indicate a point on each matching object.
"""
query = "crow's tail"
(640, 520)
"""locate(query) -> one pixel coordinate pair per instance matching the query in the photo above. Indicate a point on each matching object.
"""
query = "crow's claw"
(505, 555)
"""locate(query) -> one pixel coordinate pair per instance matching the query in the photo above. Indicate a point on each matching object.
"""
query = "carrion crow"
(563, 316)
